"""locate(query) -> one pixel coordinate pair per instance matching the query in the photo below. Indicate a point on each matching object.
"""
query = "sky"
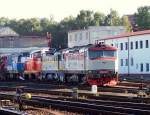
(59, 9)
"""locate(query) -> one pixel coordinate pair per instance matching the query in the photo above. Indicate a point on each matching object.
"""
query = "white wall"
(78, 38)
(90, 35)
(140, 55)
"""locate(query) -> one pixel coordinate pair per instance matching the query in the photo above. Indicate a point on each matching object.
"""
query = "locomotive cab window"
(99, 54)
(109, 53)
(95, 54)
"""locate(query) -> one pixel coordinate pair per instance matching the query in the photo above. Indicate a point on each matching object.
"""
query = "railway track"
(54, 84)
(134, 84)
(121, 83)
(118, 89)
(115, 100)
(4, 111)
(66, 91)
(87, 106)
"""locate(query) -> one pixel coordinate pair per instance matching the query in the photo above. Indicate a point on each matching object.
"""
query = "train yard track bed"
(94, 106)
(13, 109)
(115, 91)
(107, 101)
(46, 86)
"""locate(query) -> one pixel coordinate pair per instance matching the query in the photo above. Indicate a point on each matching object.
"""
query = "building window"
(126, 44)
(70, 37)
(136, 45)
(141, 44)
(132, 63)
(131, 45)
(136, 66)
(147, 67)
(126, 62)
(87, 35)
(121, 62)
(146, 44)
(76, 35)
(80, 36)
(141, 67)
(121, 46)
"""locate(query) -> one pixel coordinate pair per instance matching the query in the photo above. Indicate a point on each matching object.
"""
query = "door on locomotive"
(102, 65)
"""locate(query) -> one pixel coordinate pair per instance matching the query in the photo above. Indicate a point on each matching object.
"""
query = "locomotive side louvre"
(50, 63)
(74, 60)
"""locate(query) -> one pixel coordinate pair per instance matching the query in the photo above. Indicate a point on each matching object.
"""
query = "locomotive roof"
(77, 47)
(102, 47)
(91, 47)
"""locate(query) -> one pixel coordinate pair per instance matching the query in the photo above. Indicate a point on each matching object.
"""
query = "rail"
(87, 106)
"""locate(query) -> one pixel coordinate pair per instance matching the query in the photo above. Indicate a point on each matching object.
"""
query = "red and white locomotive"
(95, 64)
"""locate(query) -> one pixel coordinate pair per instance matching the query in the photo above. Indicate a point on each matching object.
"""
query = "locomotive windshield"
(99, 54)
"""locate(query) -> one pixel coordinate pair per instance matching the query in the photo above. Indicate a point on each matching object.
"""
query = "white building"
(93, 33)
(134, 53)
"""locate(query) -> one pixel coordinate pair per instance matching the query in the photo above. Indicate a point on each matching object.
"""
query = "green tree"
(44, 22)
(61, 31)
(84, 19)
(35, 25)
(4, 21)
(126, 23)
(13, 23)
(143, 17)
(113, 19)
(99, 19)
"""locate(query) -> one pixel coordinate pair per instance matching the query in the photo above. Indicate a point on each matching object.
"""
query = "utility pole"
(49, 38)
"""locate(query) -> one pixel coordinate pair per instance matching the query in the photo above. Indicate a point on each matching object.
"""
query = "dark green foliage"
(143, 18)
(36, 26)
(85, 18)
(113, 19)
(99, 19)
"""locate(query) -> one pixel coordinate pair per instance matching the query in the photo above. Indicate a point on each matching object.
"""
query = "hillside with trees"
(85, 18)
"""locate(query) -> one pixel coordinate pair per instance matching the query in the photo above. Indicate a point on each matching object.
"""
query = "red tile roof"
(128, 34)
